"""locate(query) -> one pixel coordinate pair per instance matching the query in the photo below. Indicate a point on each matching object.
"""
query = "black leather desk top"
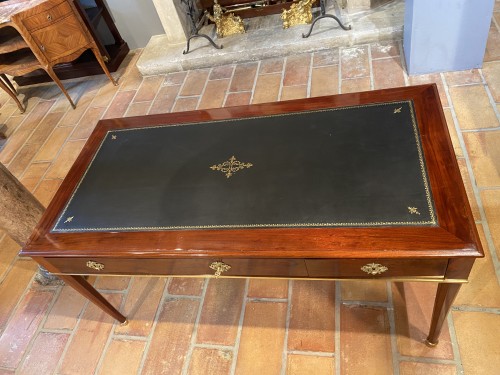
(352, 166)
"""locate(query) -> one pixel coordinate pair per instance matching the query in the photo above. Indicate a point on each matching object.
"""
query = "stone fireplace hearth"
(265, 37)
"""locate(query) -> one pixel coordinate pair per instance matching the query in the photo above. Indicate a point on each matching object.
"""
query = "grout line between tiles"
(30, 133)
(338, 294)
(264, 299)
(71, 336)
(309, 78)
(490, 95)
(481, 130)
(454, 344)
(472, 178)
(405, 358)
(489, 310)
(392, 329)
(200, 97)
(104, 350)
(149, 338)
(386, 305)
(240, 328)
(21, 297)
(370, 65)
(111, 291)
(339, 72)
(486, 188)
(177, 96)
(283, 70)
(284, 355)
(213, 346)
(194, 335)
(27, 351)
(228, 90)
(255, 81)
(129, 337)
(315, 354)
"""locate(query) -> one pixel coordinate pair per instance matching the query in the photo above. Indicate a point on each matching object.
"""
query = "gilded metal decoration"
(413, 210)
(95, 265)
(398, 110)
(226, 24)
(69, 219)
(299, 14)
(219, 267)
(231, 166)
(374, 268)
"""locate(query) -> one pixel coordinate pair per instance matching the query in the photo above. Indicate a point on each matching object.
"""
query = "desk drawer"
(375, 268)
(179, 267)
(47, 17)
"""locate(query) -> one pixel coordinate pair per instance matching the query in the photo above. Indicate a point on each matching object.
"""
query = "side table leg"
(84, 288)
(445, 296)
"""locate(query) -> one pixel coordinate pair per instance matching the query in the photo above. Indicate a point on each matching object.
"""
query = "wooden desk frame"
(443, 253)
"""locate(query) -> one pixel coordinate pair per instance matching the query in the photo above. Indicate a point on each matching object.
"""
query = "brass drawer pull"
(49, 17)
(95, 265)
(219, 267)
(374, 268)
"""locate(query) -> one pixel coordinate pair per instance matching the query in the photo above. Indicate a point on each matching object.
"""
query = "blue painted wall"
(445, 35)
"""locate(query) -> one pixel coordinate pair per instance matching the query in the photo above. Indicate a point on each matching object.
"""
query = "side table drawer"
(375, 268)
(45, 18)
(60, 38)
(179, 267)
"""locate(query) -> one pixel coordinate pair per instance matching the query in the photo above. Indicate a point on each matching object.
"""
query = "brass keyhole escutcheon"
(219, 267)
(42, 47)
(374, 268)
(49, 17)
(95, 265)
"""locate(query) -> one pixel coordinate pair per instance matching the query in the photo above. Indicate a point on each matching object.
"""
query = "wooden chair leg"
(103, 64)
(9, 83)
(54, 77)
(12, 95)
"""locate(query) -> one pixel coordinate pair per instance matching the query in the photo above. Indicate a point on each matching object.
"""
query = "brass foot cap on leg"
(431, 344)
(124, 323)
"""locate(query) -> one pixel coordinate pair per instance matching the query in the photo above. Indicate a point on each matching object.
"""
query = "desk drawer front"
(179, 267)
(47, 17)
(375, 268)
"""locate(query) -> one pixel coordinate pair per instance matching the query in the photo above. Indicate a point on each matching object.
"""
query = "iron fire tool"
(323, 14)
(196, 26)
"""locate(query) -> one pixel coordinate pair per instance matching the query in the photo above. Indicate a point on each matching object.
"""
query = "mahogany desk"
(355, 186)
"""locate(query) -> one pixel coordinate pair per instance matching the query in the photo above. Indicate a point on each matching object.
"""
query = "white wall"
(137, 20)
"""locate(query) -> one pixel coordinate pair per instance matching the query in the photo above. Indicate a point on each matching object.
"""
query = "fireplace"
(371, 20)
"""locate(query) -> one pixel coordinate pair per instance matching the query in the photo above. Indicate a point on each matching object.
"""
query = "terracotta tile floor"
(197, 326)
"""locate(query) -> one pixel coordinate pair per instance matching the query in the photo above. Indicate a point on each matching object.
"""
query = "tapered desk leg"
(445, 296)
(84, 288)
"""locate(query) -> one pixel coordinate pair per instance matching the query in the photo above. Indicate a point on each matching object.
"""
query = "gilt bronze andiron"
(226, 24)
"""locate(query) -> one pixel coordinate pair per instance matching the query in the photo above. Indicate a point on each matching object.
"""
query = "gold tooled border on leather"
(112, 135)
